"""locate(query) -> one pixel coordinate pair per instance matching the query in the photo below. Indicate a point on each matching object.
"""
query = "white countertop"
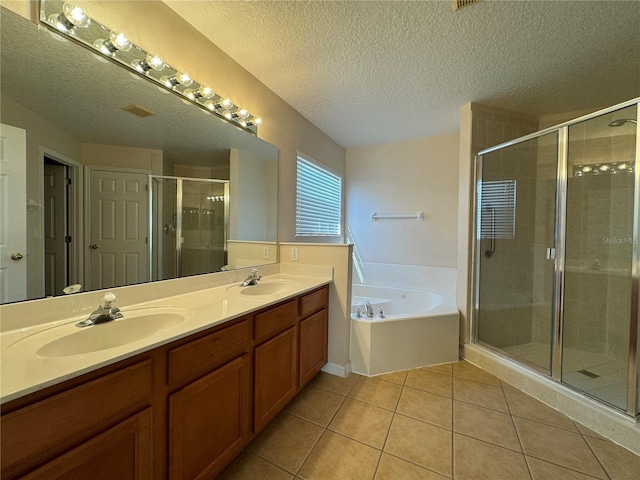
(23, 371)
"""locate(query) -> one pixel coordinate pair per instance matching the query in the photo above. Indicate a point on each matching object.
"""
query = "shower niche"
(557, 259)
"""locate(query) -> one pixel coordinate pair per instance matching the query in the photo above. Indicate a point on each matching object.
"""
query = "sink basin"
(265, 287)
(67, 340)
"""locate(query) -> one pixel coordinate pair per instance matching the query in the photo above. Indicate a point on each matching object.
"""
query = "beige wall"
(404, 178)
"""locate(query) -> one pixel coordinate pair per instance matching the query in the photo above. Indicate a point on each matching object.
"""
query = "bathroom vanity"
(180, 410)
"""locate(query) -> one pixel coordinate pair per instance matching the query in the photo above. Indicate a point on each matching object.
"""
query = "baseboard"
(338, 370)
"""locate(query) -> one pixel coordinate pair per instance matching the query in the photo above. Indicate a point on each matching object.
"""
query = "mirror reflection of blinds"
(318, 201)
(498, 209)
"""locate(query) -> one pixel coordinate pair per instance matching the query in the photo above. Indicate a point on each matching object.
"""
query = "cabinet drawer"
(194, 359)
(275, 320)
(314, 301)
(47, 428)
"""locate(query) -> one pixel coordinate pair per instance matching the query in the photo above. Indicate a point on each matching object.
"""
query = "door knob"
(16, 256)
(93, 246)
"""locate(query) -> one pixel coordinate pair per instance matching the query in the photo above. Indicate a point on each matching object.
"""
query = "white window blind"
(497, 217)
(318, 201)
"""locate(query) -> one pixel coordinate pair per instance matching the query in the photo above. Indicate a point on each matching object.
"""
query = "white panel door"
(118, 209)
(13, 211)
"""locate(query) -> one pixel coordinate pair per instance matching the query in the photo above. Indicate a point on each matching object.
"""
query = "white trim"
(76, 214)
(339, 370)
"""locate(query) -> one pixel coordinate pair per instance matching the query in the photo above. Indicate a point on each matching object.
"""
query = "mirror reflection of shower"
(188, 225)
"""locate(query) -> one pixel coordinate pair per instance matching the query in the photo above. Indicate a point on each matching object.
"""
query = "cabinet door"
(209, 421)
(123, 452)
(275, 376)
(313, 345)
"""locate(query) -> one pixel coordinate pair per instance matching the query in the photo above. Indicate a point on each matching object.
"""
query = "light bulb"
(604, 168)
(257, 121)
(72, 16)
(202, 92)
(153, 61)
(177, 79)
(622, 166)
(244, 114)
(206, 91)
(210, 105)
(184, 78)
(586, 169)
(75, 14)
(228, 115)
(119, 40)
(226, 103)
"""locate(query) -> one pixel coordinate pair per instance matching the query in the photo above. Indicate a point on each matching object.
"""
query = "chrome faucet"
(369, 308)
(105, 312)
(252, 279)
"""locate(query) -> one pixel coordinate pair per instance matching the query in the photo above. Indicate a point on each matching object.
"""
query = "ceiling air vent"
(458, 4)
(138, 110)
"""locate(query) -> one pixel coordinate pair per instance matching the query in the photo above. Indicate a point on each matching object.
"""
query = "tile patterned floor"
(452, 421)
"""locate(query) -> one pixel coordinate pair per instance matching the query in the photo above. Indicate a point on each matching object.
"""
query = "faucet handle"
(108, 299)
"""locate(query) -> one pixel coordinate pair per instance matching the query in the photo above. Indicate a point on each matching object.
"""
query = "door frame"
(75, 212)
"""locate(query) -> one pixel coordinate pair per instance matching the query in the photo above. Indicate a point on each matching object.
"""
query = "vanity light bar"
(72, 20)
(610, 168)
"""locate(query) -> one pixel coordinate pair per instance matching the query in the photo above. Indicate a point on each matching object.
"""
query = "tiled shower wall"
(599, 214)
(599, 246)
(507, 274)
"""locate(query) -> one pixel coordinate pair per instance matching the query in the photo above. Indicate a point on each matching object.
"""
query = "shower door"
(189, 223)
(599, 250)
(515, 249)
(557, 270)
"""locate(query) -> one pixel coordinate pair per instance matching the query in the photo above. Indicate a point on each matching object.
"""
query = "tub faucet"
(369, 308)
(252, 279)
(105, 312)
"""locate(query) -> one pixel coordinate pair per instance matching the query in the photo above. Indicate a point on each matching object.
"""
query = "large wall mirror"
(107, 179)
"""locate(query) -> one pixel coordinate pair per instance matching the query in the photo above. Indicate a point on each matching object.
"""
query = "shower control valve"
(381, 312)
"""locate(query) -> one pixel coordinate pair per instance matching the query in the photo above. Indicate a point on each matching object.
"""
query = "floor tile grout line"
(566, 467)
(596, 456)
(418, 465)
(453, 447)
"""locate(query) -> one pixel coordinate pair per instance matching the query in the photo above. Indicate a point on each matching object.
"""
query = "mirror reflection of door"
(13, 206)
(117, 205)
(57, 235)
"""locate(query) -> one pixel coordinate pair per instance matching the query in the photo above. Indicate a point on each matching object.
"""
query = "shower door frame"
(178, 232)
(633, 385)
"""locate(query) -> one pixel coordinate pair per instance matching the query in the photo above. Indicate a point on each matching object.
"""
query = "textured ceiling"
(377, 72)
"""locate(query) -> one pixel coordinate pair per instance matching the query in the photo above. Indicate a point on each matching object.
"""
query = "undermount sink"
(67, 340)
(265, 287)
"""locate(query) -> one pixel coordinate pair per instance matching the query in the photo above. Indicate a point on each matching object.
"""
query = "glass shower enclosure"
(188, 223)
(557, 260)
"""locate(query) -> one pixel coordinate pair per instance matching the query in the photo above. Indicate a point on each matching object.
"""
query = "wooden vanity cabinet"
(180, 411)
(291, 348)
(210, 418)
(82, 428)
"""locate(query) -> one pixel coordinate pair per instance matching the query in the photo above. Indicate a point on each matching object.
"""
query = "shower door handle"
(551, 253)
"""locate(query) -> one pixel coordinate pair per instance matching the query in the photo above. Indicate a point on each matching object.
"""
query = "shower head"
(622, 121)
